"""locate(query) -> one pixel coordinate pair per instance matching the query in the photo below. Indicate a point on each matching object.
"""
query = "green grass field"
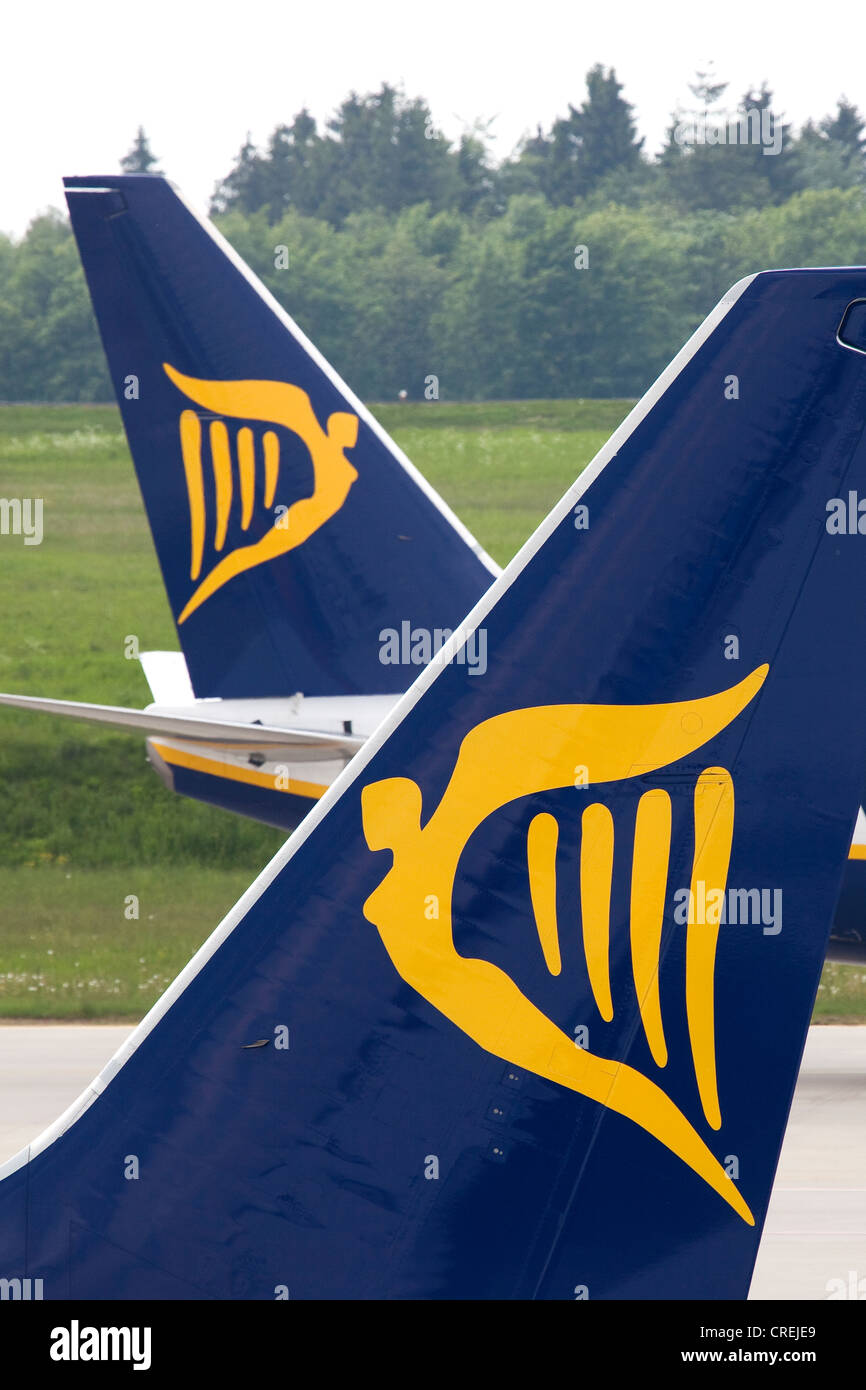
(84, 822)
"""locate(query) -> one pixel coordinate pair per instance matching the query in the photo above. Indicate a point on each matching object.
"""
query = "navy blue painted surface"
(848, 936)
(164, 291)
(305, 1167)
(283, 810)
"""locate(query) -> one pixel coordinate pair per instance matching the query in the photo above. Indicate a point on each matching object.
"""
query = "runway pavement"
(43, 1067)
(814, 1242)
(815, 1236)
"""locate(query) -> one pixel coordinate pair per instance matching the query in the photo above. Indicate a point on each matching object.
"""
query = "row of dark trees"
(576, 268)
(385, 151)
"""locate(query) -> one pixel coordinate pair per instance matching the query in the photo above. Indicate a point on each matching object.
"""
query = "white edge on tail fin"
(356, 767)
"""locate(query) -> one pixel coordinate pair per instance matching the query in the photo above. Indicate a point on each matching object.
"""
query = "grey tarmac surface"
(814, 1242)
(43, 1068)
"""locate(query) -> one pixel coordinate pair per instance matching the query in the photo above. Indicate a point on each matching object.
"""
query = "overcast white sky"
(79, 77)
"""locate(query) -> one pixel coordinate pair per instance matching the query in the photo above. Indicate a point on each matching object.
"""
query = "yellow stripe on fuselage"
(857, 852)
(196, 763)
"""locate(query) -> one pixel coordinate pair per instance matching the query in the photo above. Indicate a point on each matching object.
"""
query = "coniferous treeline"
(574, 268)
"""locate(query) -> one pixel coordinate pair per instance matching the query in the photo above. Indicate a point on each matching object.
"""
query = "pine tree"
(777, 170)
(707, 90)
(845, 131)
(140, 159)
(478, 179)
(387, 153)
(246, 187)
(605, 130)
(594, 140)
(292, 168)
(714, 159)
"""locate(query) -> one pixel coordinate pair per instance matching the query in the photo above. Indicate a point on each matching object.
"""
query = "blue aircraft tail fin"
(290, 529)
(518, 1010)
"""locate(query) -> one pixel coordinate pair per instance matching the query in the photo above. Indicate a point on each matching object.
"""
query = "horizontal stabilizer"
(265, 738)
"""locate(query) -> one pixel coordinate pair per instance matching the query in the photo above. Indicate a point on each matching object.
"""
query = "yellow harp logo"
(274, 403)
(528, 751)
